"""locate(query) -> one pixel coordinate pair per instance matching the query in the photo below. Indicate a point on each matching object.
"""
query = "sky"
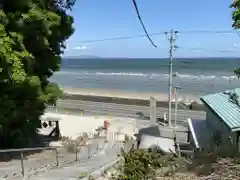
(101, 19)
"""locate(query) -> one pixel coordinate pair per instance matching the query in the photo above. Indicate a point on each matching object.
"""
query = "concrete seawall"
(127, 101)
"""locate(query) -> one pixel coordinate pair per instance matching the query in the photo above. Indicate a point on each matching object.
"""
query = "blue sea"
(195, 76)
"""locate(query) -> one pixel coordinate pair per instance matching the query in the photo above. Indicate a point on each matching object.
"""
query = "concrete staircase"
(105, 155)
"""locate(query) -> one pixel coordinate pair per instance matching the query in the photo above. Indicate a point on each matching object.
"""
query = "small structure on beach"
(150, 136)
(166, 139)
(51, 126)
(222, 124)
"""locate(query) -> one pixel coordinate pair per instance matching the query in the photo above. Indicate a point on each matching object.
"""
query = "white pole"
(176, 107)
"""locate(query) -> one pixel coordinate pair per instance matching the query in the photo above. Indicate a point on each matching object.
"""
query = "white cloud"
(80, 48)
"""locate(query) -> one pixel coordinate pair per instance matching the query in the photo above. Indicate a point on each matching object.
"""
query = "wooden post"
(98, 147)
(152, 110)
(88, 152)
(238, 141)
(76, 153)
(22, 164)
(57, 158)
(57, 132)
(188, 134)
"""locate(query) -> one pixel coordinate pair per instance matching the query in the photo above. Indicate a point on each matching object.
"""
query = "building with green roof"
(222, 122)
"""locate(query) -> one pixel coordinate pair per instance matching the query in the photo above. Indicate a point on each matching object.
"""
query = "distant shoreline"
(177, 58)
(121, 97)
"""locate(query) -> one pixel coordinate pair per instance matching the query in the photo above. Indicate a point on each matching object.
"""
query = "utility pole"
(171, 38)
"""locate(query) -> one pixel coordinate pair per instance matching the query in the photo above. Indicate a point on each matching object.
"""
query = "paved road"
(121, 110)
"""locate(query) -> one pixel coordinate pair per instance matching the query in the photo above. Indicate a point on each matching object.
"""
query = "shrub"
(139, 164)
(208, 162)
(83, 175)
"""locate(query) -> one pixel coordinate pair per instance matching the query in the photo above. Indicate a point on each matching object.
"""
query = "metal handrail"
(27, 149)
(56, 148)
(31, 149)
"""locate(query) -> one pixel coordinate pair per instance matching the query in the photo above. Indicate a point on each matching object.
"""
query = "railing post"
(98, 144)
(88, 152)
(76, 153)
(188, 134)
(57, 158)
(22, 164)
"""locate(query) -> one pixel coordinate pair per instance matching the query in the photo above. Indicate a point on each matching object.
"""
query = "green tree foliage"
(32, 36)
(236, 25)
(237, 72)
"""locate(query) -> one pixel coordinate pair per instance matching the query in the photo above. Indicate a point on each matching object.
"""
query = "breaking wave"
(147, 75)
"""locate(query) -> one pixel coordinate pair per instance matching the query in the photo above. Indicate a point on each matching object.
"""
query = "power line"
(158, 34)
(122, 37)
(143, 26)
(208, 32)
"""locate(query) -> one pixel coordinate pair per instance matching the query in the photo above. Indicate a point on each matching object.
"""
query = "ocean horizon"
(194, 76)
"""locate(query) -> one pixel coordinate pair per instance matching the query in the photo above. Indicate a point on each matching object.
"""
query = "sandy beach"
(73, 126)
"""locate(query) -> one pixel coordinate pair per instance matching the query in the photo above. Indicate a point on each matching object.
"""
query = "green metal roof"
(225, 108)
